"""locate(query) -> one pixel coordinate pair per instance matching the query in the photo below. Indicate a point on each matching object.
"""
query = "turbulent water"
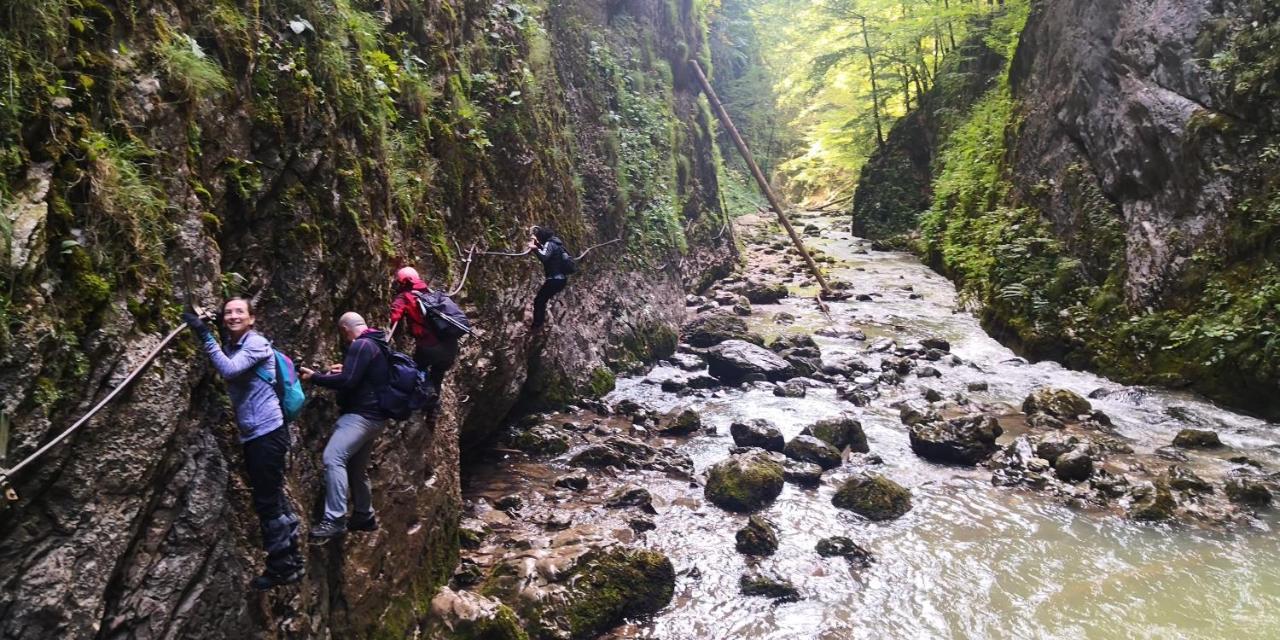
(970, 560)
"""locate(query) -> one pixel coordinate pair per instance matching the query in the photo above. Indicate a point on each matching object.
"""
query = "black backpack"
(446, 318)
(567, 265)
(408, 389)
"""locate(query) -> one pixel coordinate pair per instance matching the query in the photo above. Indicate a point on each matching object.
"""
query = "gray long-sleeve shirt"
(256, 403)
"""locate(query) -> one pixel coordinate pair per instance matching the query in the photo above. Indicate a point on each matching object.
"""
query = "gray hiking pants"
(345, 459)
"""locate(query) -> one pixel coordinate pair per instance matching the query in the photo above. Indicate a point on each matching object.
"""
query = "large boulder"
(464, 614)
(1247, 491)
(811, 449)
(965, 440)
(733, 361)
(840, 432)
(757, 433)
(1197, 439)
(608, 587)
(1074, 465)
(744, 482)
(1060, 403)
(710, 329)
(541, 439)
(684, 423)
(873, 497)
(757, 538)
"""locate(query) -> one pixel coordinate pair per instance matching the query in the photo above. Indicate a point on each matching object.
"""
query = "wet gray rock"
(1074, 465)
(1197, 439)
(742, 306)
(1018, 465)
(640, 525)
(965, 440)
(1152, 502)
(710, 329)
(599, 455)
(1044, 421)
(874, 497)
(980, 385)
(757, 433)
(913, 412)
(757, 538)
(630, 496)
(1107, 485)
(744, 482)
(758, 292)
(854, 394)
(685, 423)
(733, 361)
(466, 614)
(805, 474)
(511, 502)
(687, 361)
(928, 372)
(1054, 445)
(842, 547)
(757, 582)
(627, 408)
(811, 449)
(541, 439)
(930, 394)
(576, 482)
(840, 432)
(1059, 403)
(941, 344)
(472, 532)
(1180, 478)
(790, 389)
(1247, 491)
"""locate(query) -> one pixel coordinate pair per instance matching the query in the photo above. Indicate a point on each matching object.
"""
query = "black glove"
(197, 325)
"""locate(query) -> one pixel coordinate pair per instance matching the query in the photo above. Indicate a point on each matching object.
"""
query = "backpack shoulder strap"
(260, 368)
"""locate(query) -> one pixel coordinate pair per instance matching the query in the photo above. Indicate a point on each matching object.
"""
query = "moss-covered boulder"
(1197, 439)
(608, 587)
(768, 585)
(840, 432)
(757, 538)
(1247, 491)
(541, 439)
(873, 497)
(758, 292)
(1060, 403)
(744, 482)
(463, 615)
(682, 424)
(710, 329)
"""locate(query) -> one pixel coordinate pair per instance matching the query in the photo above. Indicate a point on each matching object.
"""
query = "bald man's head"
(352, 325)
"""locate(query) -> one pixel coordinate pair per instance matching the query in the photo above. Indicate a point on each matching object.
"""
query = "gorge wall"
(1113, 203)
(301, 151)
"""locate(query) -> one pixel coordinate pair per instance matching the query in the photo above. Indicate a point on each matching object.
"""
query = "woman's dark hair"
(543, 234)
(247, 303)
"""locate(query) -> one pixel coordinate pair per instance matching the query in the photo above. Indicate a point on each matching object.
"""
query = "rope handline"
(465, 270)
(588, 250)
(528, 251)
(6, 474)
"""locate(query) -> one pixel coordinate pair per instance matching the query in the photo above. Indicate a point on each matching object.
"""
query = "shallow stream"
(970, 560)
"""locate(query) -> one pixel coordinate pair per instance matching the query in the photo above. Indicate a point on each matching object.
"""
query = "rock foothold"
(712, 328)
(466, 614)
(630, 496)
(541, 439)
(811, 449)
(744, 482)
(842, 547)
(966, 440)
(611, 586)
(840, 432)
(734, 361)
(1152, 502)
(1059, 403)
(757, 538)
(790, 389)
(1197, 439)
(764, 293)
(769, 585)
(757, 433)
(913, 412)
(873, 497)
(805, 474)
(1074, 465)
(685, 423)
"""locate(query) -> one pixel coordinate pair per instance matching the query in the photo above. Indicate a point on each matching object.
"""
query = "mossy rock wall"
(158, 152)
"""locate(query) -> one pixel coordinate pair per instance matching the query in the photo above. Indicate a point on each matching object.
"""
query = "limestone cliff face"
(301, 151)
(1116, 198)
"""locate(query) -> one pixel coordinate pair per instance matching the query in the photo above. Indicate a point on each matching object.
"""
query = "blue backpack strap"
(260, 370)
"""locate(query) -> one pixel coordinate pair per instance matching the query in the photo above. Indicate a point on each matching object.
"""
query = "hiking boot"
(363, 523)
(327, 529)
(270, 579)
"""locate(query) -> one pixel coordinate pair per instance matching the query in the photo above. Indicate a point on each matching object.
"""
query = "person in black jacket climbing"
(358, 381)
(556, 266)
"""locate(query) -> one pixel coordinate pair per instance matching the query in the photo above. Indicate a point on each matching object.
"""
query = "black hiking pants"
(436, 360)
(264, 461)
(549, 289)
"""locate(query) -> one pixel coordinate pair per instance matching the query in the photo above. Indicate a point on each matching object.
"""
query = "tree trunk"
(875, 89)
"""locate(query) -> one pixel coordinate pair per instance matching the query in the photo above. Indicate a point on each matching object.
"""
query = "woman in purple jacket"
(245, 361)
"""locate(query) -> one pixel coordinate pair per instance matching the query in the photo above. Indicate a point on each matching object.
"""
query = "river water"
(970, 560)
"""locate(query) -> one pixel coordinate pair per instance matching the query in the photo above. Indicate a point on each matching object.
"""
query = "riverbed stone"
(576, 482)
(1197, 439)
(913, 412)
(840, 432)
(630, 496)
(685, 423)
(466, 614)
(1074, 465)
(843, 547)
(757, 538)
(805, 474)
(1247, 491)
(1060, 403)
(714, 327)
(757, 432)
(541, 439)
(758, 582)
(744, 482)
(760, 292)
(1052, 446)
(1180, 478)
(607, 587)
(1152, 502)
(734, 361)
(687, 361)
(966, 440)
(790, 389)
(810, 449)
(873, 496)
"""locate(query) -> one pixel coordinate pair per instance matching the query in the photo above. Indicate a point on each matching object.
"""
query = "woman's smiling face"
(236, 317)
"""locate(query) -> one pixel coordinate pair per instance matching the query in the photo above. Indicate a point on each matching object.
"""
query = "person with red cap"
(433, 352)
